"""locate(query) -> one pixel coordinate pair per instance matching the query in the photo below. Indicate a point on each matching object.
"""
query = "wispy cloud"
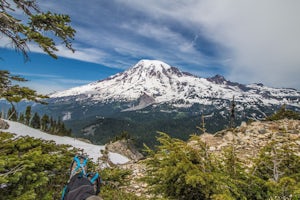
(84, 54)
(260, 38)
(47, 83)
(46, 86)
(127, 34)
(162, 35)
(249, 41)
(81, 53)
(73, 81)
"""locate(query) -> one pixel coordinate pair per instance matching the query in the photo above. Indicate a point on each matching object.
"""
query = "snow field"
(93, 151)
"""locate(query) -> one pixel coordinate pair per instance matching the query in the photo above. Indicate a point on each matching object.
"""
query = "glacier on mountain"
(165, 84)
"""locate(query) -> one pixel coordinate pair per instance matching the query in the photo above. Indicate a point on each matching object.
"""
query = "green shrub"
(283, 113)
(113, 181)
(188, 170)
(32, 168)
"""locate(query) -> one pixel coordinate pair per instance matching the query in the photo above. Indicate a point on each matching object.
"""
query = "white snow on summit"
(168, 84)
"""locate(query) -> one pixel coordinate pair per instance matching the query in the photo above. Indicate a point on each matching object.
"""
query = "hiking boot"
(79, 165)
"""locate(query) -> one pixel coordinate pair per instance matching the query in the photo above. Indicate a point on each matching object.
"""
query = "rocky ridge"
(125, 148)
(248, 140)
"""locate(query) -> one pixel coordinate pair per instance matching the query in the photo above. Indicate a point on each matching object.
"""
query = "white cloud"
(84, 54)
(163, 35)
(73, 81)
(87, 54)
(261, 37)
(47, 83)
(46, 86)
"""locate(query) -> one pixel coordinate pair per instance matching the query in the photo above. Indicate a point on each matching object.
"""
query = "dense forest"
(44, 123)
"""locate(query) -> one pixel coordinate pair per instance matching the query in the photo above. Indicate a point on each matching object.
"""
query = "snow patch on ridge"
(67, 116)
(93, 151)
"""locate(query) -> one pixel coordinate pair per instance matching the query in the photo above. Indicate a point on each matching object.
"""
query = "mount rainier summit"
(153, 96)
(165, 84)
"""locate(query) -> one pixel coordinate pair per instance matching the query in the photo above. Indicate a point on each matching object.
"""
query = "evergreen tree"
(45, 122)
(33, 26)
(56, 127)
(12, 114)
(36, 121)
(9, 112)
(123, 136)
(62, 128)
(232, 113)
(32, 168)
(202, 128)
(15, 93)
(27, 115)
(22, 22)
(249, 186)
(278, 164)
(232, 165)
(188, 170)
(179, 171)
(2, 114)
(51, 125)
(283, 113)
(22, 118)
(53, 128)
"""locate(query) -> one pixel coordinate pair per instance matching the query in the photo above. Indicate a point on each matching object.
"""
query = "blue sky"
(245, 41)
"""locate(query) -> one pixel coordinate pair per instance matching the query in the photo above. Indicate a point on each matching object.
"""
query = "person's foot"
(79, 165)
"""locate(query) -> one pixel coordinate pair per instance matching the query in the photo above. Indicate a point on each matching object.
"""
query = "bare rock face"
(125, 148)
(3, 124)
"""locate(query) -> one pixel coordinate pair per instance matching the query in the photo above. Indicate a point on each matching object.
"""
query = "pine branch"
(17, 168)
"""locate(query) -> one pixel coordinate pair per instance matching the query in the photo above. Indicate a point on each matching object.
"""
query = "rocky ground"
(3, 124)
(126, 148)
(247, 138)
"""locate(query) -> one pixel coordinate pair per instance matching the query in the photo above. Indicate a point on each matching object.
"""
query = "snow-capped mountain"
(161, 83)
(152, 96)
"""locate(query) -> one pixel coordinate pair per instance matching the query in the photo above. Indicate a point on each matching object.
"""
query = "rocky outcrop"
(135, 185)
(248, 139)
(3, 124)
(143, 101)
(125, 148)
